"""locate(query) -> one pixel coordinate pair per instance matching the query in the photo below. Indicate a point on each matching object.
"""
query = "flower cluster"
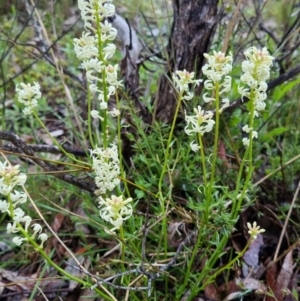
(94, 50)
(201, 122)
(10, 177)
(217, 70)
(182, 81)
(254, 230)
(256, 71)
(29, 95)
(115, 210)
(107, 168)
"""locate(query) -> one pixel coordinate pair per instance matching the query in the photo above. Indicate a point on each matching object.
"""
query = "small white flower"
(18, 197)
(20, 179)
(103, 105)
(114, 112)
(37, 228)
(4, 188)
(208, 99)
(93, 64)
(226, 85)
(106, 165)
(246, 141)
(18, 240)
(27, 220)
(95, 114)
(188, 95)
(244, 92)
(18, 215)
(43, 237)
(7, 171)
(246, 128)
(216, 70)
(108, 32)
(109, 51)
(201, 123)
(28, 92)
(256, 71)
(12, 228)
(225, 105)
(86, 47)
(91, 78)
(208, 84)
(218, 66)
(115, 210)
(4, 206)
(29, 95)
(112, 77)
(182, 80)
(194, 146)
(254, 230)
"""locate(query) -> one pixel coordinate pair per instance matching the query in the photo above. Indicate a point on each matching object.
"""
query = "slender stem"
(200, 236)
(226, 267)
(103, 81)
(202, 159)
(167, 153)
(248, 157)
(122, 242)
(208, 195)
(163, 172)
(38, 248)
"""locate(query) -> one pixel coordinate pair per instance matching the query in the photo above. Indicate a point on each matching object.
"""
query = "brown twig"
(26, 149)
(43, 148)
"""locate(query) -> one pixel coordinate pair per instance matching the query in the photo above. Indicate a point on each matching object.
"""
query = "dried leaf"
(271, 276)
(284, 277)
(211, 292)
(254, 284)
(222, 152)
(174, 233)
(17, 283)
(58, 220)
(251, 255)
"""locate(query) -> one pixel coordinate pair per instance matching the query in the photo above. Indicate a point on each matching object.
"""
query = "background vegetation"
(64, 194)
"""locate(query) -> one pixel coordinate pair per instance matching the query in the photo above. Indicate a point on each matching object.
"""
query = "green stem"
(200, 140)
(164, 235)
(122, 242)
(46, 257)
(208, 195)
(226, 267)
(164, 170)
(103, 81)
(248, 157)
(167, 153)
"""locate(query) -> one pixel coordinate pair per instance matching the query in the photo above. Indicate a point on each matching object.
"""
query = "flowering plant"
(10, 177)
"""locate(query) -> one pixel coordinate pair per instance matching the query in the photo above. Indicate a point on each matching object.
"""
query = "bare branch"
(24, 148)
